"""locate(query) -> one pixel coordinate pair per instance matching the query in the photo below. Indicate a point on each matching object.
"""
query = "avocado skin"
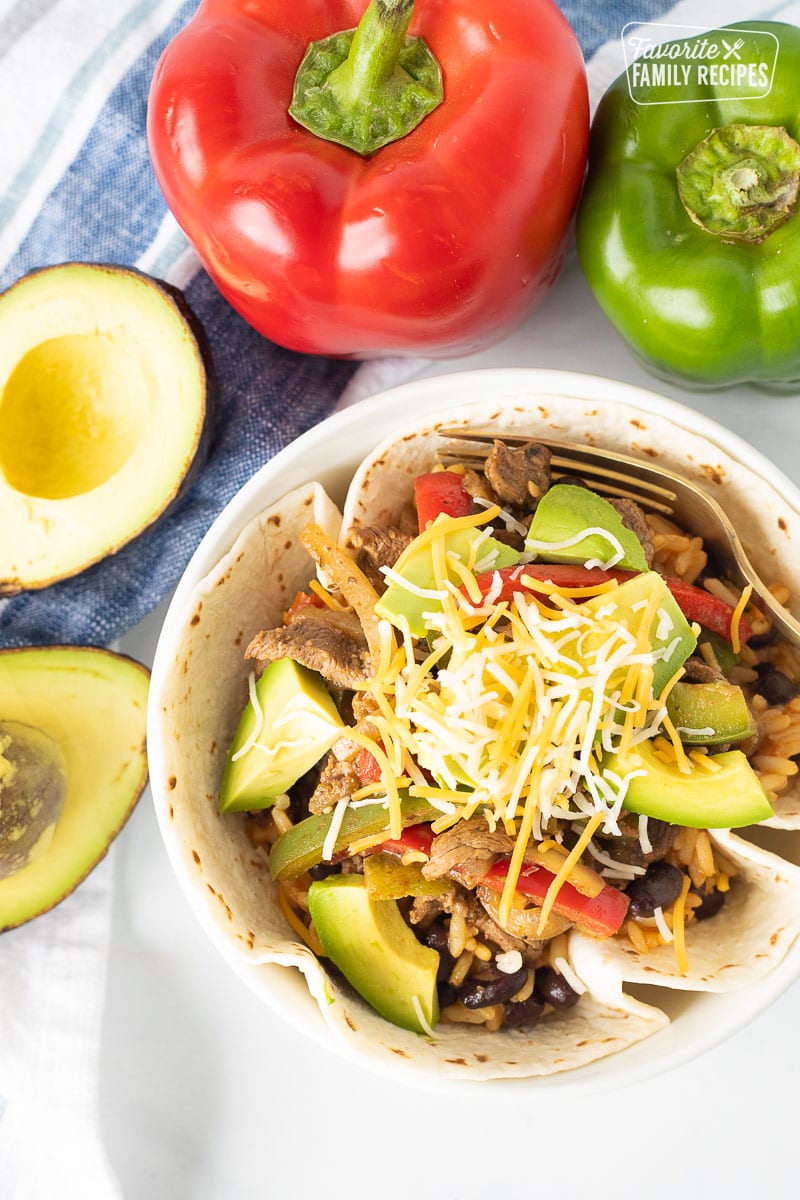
(375, 950)
(727, 798)
(92, 703)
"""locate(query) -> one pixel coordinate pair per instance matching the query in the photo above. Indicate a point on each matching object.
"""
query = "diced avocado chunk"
(671, 638)
(401, 604)
(726, 797)
(301, 846)
(376, 951)
(573, 525)
(299, 723)
(705, 713)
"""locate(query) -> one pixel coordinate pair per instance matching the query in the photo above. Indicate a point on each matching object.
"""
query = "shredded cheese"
(575, 853)
(258, 720)
(678, 927)
(736, 617)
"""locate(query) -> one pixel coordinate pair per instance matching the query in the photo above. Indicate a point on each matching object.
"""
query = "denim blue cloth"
(107, 207)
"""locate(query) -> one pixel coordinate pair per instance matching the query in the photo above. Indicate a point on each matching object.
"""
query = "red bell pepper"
(435, 244)
(695, 603)
(368, 768)
(440, 492)
(601, 915)
(418, 838)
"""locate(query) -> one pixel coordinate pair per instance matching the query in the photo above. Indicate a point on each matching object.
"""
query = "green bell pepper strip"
(688, 232)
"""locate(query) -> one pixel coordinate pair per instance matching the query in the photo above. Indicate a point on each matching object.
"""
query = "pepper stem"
(741, 182)
(368, 86)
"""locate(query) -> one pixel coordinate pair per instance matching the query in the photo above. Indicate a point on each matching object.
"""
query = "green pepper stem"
(741, 182)
(374, 52)
(368, 86)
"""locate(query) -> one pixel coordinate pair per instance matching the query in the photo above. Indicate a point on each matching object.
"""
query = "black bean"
(526, 1012)
(447, 994)
(759, 640)
(323, 870)
(438, 939)
(774, 686)
(498, 991)
(552, 988)
(710, 906)
(659, 888)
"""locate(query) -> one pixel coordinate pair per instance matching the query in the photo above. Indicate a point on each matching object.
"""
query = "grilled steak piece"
(329, 642)
(633, 518)
(338, 778)
(378, 546)
(518, 475)
(697, 670)
(469, 849)
(425, 909)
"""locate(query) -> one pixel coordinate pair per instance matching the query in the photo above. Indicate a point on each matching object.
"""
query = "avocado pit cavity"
(71, 415)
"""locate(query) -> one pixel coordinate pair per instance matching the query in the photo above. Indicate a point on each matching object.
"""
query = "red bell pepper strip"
(695, 603)
(302, 600)
(440, 492)
(437, 244)
(601, 915)
(368, 768)
(418, 838)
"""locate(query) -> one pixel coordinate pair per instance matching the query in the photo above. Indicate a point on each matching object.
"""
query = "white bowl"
(330, 453)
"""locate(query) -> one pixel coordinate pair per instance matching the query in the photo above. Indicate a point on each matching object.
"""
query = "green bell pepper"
(688, 232)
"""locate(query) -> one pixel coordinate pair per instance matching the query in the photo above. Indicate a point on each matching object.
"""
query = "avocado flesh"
(375, 950)
(92, 704)
(401, 606)
(33, 787)
(671, 637)
(564, 512)
(709, 713)
(300, 724)
(301, 846)
(727, 798)
(103, 393)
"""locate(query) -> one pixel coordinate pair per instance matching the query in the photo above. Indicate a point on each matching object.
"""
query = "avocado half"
(103, 408)
(90, 704)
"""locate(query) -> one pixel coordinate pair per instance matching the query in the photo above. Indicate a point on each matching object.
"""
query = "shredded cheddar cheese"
(736, 617)
(678, 927)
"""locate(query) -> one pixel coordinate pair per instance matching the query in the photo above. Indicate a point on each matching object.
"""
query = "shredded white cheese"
(258, 719)
(509, 962)
(663, 927)
(329, 845)
(590, 531)
(420, 1015)
(564, 968)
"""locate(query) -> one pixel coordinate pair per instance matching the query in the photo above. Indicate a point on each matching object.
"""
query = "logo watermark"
(677, 64)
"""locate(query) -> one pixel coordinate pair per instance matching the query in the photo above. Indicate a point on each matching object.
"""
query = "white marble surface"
(206, 1095)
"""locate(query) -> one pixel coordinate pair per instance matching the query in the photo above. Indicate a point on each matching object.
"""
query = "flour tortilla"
(204, 693)
(761, 917)
(768, 525)
(248, 590)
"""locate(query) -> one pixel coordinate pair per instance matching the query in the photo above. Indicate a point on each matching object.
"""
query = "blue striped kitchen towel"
(76, 184)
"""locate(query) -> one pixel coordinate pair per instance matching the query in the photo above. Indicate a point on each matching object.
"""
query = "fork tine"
(687, 504)
(567, 459)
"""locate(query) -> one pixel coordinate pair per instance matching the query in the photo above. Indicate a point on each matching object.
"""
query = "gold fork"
(653, 488)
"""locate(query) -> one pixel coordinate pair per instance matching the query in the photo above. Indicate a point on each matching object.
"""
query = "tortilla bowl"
(242, 578)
